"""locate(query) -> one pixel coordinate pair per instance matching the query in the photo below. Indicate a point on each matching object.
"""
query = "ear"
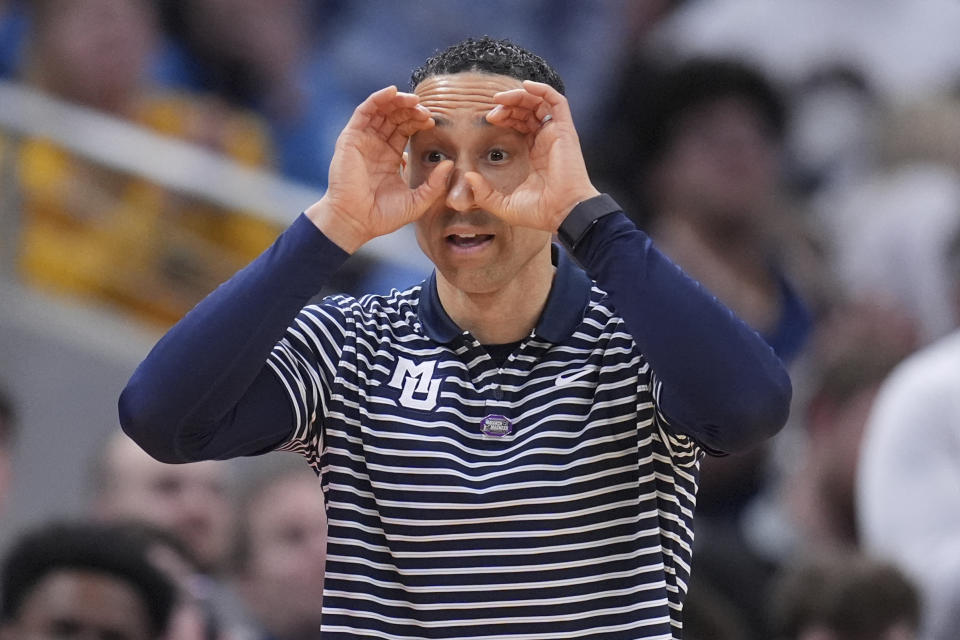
(404, 172)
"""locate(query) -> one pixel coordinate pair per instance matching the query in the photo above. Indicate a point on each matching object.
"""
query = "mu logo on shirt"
(418, 388)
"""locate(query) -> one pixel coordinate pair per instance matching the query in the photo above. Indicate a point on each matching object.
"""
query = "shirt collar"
(562, 314)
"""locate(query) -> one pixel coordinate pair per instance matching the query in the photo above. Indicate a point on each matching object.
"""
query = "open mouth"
(469, 240)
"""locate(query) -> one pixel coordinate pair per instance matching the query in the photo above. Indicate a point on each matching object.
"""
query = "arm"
(719, 381)
(205, 391)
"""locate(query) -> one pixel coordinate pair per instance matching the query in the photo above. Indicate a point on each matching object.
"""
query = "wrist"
(340, 228)
(587, 194)
(583, 216)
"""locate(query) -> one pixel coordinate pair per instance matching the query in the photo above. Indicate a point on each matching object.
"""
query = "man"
(81, 580)
(193, 501)
(281, 549)
(505, 450)
(909, 469)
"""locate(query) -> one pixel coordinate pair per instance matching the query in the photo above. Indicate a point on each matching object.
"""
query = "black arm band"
(582, 218)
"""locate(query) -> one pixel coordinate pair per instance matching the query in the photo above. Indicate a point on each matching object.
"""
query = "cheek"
(529, 242)
(421, 228)
(414, 174)
(506, 178)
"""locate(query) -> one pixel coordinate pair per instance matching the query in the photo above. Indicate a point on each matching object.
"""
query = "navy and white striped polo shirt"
(546, 498)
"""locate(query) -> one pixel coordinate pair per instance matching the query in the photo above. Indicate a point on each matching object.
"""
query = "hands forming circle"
(367, 196)
(558, 178)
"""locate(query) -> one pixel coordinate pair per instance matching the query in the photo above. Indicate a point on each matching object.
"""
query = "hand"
(558, 178)
(366, 195)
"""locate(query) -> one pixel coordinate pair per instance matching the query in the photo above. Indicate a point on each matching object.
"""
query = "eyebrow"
(440, 121)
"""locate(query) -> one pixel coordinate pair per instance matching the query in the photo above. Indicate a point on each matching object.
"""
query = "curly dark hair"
(109, 549)
(701, 81)
(501, 57)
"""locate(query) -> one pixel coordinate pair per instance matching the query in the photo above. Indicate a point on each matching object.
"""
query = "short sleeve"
(307, 360)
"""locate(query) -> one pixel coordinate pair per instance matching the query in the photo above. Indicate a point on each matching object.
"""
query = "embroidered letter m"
(416, 379)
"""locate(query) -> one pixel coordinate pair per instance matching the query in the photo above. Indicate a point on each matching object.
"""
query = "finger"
(400, 124)
(525, 126)
(410, 127)
(389, 98)
(484, 195)
(518, 98)
(559, 108)
(368, 110)
(401, 134)
(403, 114)
(434, 187)
(376, 120)
(523, 120)
(382, 103)
(522, 99)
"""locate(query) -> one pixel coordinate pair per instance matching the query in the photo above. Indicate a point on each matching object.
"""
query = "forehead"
(462, 94)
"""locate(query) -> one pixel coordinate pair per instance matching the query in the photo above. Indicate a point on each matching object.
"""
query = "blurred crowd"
(802, 162)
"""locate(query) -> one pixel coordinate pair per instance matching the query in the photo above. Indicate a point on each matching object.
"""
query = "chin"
(475, 281)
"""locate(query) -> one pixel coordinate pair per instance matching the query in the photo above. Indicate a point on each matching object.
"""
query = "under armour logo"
(416, 379)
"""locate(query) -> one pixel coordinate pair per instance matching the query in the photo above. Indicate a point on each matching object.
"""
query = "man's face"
(722, 162)
(80, 605)
(472, 249)
(96, 51)
(287, 527)
(191, 500)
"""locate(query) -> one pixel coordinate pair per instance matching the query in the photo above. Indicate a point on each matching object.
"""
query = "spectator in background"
(82, 580)
(193, 502)
(193, 616)
(855, 348)
(710, 146)
(831, 139)
(908, 503)
(844, 597)
(889, 238)
(8, 432)
(92, 232)
(908, 489)
(281, 549)
(268, 57)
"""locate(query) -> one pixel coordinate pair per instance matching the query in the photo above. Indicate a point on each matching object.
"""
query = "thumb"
(436, 184)
(484, 195)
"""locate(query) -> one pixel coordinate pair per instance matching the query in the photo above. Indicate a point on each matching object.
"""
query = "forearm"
(208, 372)
(721, 383)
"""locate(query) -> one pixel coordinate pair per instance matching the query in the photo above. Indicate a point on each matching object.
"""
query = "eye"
(434, 157)
(497, 155)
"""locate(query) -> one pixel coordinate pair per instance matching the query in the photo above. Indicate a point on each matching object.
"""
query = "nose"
(460, 194)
